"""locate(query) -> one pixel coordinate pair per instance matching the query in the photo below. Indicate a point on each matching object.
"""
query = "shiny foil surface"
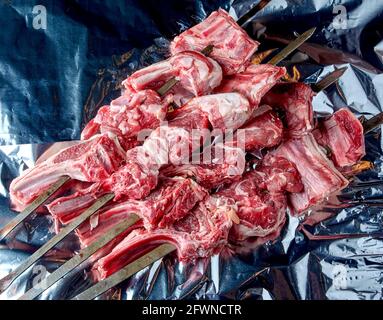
(53, 81)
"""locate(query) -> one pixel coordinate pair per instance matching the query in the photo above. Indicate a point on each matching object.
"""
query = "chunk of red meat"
(233, 48)
(295, 100)
(264, 131)
(342, 134)
(261, 199)
(128, 115)
(319, 176)
(201, 233)
(221, 165)
(225, 110)
(196, 73)
(253, 83)
(93, 160)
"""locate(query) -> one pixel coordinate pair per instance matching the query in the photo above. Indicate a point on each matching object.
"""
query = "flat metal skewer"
(328, 80)
(7, 229)
(79, 258)
(8, 280)
(123, 274)
(292, 46)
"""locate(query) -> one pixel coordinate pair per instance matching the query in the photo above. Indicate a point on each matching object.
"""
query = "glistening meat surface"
(225, 111)
(232, 46)
(260, 197)
(295, 100)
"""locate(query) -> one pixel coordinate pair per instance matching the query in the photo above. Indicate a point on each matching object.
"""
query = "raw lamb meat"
(170, 202)
(319, 176)
(253, 83)
(92, 161)
(295, 100)
(201, 233)
(196, 73)
(221, 165)
(232, 49)
(264, 131)
(226, 111)
(261, 199)
(342, 135)
(128, 115)
(165, 145)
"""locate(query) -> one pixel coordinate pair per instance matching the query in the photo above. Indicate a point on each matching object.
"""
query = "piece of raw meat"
(201, 233)
(261, 199)
(264, 131)
(253, 83)
(196, 73)
(342, 134)
(232, 47)
(226, 111)
(319, 176)
(170, 202)
(218, 168)
(128, 115)
(92, 161)
(295, 100)
(218, 165)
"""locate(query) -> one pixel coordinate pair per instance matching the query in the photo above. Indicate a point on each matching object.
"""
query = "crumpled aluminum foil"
(335, 252)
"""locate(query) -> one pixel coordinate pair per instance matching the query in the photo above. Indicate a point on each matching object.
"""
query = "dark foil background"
(52, 81)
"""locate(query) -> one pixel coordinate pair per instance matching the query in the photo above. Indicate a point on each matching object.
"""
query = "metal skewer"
(328, 80)
(79, 258)
(292, 46)
(126, 272)
(7, 280)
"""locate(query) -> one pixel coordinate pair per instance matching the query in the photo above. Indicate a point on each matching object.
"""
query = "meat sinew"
(92, 160)
(232, 46)
(342, 135)
(319, 176)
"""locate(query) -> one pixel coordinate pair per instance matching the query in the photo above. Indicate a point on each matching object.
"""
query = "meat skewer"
(108, 195)
(332, 81)
(118, 277)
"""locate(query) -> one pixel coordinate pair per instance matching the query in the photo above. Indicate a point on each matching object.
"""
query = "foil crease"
(335, 252)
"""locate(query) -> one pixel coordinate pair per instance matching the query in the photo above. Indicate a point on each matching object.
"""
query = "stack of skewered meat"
(185, 172)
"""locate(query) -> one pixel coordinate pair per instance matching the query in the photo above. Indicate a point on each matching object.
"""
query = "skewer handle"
(7, 280)
(132, 268)
(79, 258)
